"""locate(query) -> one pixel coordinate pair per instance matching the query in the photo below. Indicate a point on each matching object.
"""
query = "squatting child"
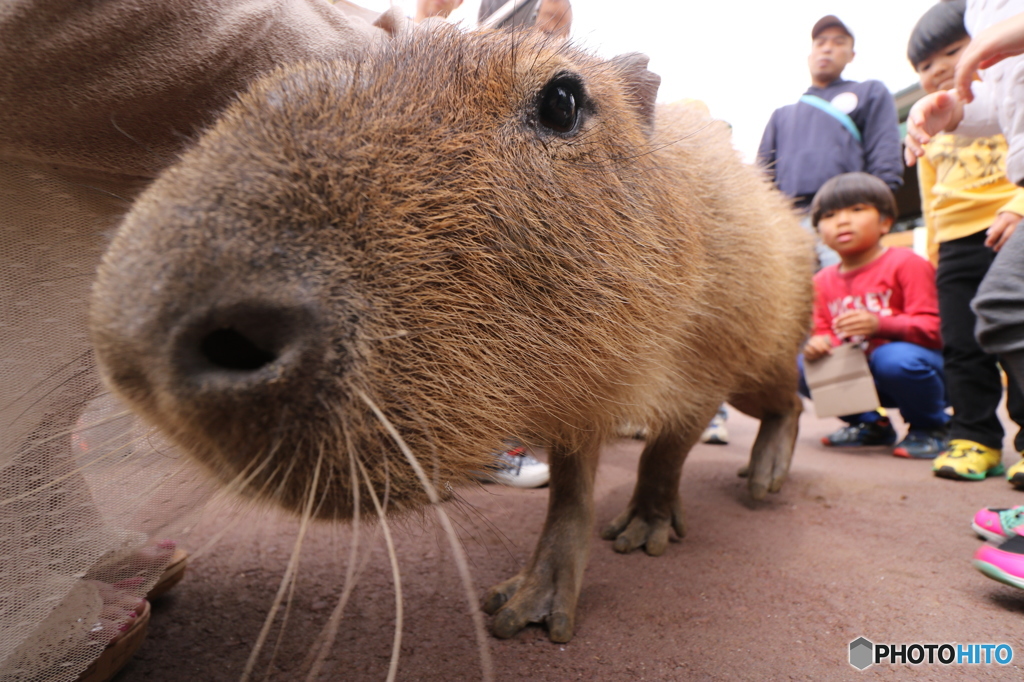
(886, 297)
(971, 209)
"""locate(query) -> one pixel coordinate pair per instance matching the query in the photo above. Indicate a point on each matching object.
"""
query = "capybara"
(482, 236)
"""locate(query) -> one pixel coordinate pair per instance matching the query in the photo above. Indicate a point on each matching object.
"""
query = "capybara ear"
(394, 22)
(642, 85)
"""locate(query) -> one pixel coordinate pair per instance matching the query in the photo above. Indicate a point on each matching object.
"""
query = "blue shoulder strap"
(835, 113)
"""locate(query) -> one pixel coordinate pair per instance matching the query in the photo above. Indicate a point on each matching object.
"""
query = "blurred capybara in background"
(483, 236)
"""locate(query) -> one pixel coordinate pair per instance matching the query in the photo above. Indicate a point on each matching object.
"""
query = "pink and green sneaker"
(1004, 563)
(997, 524)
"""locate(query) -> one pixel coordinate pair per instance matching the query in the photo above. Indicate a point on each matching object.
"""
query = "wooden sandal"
(117, 654)
(172, 575)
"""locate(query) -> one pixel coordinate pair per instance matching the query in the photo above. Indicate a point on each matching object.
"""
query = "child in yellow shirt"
(970, 209)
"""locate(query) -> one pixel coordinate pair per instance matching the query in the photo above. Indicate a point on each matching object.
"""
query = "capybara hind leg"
(655, 509)
(546, 591)
(773, 448)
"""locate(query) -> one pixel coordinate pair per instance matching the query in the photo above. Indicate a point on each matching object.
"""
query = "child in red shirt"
(886, 297)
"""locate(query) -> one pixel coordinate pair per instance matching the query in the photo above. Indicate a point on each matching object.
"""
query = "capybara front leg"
(655, 509)
(773, 448)
(546, 590)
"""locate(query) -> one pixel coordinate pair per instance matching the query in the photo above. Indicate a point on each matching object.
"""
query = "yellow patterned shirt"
(964, 185)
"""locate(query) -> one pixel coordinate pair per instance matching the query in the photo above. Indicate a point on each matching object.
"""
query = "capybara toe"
(507, 623)
(493, 601)
(560, 627)
(758, 490)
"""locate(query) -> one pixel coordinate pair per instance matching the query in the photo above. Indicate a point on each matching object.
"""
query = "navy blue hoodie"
(803, 147)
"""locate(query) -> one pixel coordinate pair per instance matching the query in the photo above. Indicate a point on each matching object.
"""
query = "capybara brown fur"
(484, 236)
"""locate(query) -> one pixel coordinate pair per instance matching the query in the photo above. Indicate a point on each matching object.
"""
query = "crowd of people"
(935, 339)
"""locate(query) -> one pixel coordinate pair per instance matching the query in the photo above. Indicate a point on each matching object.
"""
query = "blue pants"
(908, 377)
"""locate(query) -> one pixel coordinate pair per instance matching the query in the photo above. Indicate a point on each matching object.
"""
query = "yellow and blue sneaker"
(968, 460)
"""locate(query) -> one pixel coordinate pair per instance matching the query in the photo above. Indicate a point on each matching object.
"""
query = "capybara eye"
(558, 108)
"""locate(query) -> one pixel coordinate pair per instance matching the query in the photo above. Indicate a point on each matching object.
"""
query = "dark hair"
(848, 189)
(940, 26)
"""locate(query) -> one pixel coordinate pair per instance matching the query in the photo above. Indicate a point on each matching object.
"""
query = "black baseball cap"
(828, 21)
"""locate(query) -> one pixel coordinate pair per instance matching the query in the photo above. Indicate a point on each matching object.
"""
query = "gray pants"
(999, 306)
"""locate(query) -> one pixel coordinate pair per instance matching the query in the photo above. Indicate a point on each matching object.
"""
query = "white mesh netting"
(85, 491)
(86, 494)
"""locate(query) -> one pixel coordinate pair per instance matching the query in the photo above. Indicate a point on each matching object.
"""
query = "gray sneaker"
(921, 444)
(517, 468)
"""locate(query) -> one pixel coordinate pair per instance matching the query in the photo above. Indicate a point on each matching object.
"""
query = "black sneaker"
(864, 434)
(921, 444)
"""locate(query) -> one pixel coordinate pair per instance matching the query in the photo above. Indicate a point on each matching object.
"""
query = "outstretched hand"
(989, 47)
(929, 116)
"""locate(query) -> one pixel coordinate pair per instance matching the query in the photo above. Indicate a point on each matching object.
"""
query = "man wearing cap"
(837, 126)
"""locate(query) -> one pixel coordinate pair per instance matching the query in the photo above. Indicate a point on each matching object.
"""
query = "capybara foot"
(767, 476)
(534, 604)
(536, 596)
(743, 471)
(772, 453)
(630, 530)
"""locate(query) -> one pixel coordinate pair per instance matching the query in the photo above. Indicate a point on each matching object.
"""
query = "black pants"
(972, 375)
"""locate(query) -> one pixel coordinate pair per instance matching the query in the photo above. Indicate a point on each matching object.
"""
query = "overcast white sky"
(743, 59)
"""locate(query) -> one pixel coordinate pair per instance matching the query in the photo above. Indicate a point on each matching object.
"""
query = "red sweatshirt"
(898, 287)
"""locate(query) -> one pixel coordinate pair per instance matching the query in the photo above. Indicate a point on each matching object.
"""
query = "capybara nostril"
(231, 349)
(245, 345)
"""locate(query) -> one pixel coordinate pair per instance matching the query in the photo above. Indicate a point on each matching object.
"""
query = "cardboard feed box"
(841, 383)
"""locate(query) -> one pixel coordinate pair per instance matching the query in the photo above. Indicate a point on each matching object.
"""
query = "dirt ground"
(856, 544)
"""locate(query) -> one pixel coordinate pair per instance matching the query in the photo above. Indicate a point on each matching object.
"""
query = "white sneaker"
(716, 433)
(518, 469)
(631, 430)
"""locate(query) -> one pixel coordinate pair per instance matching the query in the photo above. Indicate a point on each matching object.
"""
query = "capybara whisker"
(313, 492)
(39, 399)
(74, 472)
(453, 541)
(396, 648)
(328, 635)
(474, 515)
(51, 280)
(283, 627)
(283, 484)
(51, 375)
(140, 143)
(168, 476)
(289, 572)
(244, 478)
